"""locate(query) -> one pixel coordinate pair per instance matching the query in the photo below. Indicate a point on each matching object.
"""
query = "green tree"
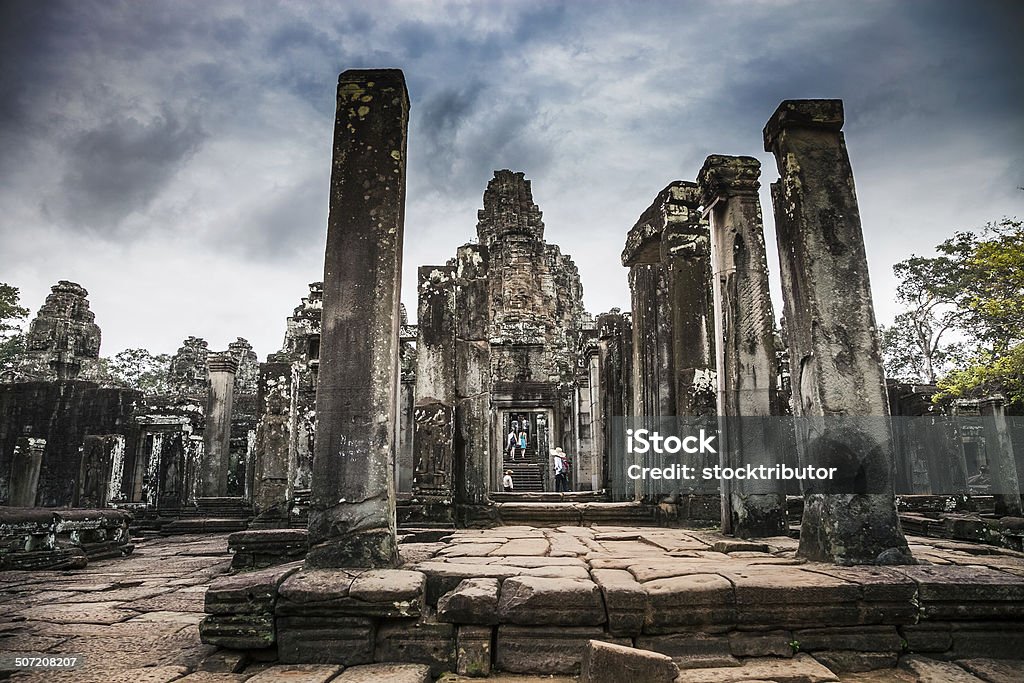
(138, 369)
(975, 288)
(12, 340)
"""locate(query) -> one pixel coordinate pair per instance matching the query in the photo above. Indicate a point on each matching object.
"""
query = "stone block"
(993, 670)
(800, 669)
(384, 593)
(739, 546)
(860, 639)
(249, 593)
(935, 637)
(297, 673)
(443, 577)
(995, 639)
(932, 671)
(695, 600)
(385, 673)
(238, 632)
(625, 600)
(403, 590)
(761, 643)
(691, 650)
(610, 663)
(958, 592)
(473, 601)
(416, 641)
(546, 650)
(322, 639)
(473, 650)
(855, 661)
(768, 584)
(530, 600)
(224, 661)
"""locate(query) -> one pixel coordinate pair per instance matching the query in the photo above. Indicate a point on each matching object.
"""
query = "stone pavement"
(135, 619)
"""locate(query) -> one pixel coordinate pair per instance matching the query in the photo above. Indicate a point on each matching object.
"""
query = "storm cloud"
(174, 157)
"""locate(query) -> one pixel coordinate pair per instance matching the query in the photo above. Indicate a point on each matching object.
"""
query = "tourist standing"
(561, 482)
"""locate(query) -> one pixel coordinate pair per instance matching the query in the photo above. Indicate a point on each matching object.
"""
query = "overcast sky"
(174, 157)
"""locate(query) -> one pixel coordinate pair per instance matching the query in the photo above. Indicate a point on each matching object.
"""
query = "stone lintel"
(674, 204)
(728, 176)
(821, 114)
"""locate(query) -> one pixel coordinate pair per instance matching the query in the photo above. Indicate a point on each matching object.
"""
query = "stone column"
(434, 408)
(352, 507)
(834, 349)
(746, 343)
(25, 467)
(473, 419)
(685, 251)
(217, 437)
(273, 440)
(1005, 487)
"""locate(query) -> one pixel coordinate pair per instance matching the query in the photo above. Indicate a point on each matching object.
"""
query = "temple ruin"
(361, 467)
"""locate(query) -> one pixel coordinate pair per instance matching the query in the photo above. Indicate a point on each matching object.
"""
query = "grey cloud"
(120, 166)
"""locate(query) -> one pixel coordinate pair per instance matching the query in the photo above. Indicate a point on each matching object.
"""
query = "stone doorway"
(529, 466)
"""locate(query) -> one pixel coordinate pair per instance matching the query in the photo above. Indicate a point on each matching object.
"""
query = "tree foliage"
(973, 289)
(12, 340)
(138, 369)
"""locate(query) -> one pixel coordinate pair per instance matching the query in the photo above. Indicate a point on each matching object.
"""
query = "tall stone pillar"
(25, 467)
(217, 437)
(352, 507)
(473, 419)
(273, 440)
(685, 251)
(839, 396)
(434, 409)
(745, 342)
(1005, 486)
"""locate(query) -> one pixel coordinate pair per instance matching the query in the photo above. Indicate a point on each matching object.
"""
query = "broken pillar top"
(727, 176)
(821, 114)
(677, 203)
(375, 78)
(222, 362)
(508, 209)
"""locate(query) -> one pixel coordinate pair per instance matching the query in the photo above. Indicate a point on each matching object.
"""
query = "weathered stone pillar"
(217, 437)
(835, 355)
(473, 449)
(273, 440)
(25, 467)
(615, 343)
(1005, 486)
(685, 251)
(352, 507)
(746, 343)
(434, 409)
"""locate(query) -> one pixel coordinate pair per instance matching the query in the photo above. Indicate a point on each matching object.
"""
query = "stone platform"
(528, 600)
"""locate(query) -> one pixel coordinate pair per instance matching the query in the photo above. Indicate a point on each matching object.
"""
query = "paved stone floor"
(135, 619)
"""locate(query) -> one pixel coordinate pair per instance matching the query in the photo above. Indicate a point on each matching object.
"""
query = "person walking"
(510, 444)
(506, 481)
(522, 442)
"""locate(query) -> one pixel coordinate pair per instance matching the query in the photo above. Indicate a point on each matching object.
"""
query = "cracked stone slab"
(531, 600)
(385, 673)
(297, 673)
(800, 669)
(473, 601)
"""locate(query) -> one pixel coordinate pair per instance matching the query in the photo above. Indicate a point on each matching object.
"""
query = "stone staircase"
(528, 472)
(217, 514)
